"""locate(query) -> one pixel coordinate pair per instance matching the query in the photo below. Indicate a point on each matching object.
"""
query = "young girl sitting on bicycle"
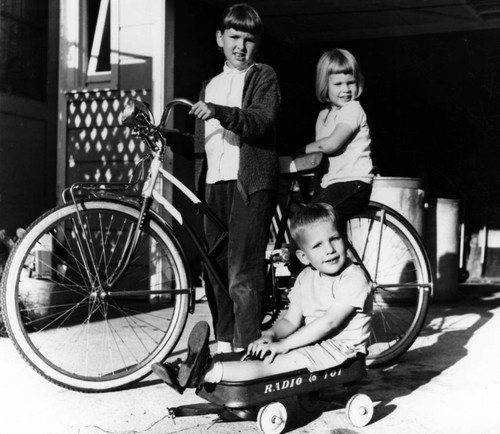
(342, 134)
(326, 323)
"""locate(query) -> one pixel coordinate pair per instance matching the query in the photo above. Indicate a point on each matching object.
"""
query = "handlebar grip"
(164, 131)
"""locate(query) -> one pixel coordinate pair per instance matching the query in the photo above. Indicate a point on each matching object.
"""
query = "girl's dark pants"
(348, 198)
(236, 311)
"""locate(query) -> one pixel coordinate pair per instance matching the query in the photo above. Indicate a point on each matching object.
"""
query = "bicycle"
(99, 288)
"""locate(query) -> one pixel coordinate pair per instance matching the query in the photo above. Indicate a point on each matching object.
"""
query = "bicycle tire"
(399, 268)
(62, 322)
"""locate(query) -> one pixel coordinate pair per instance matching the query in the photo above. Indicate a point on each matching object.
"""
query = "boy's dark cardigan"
(255, 124)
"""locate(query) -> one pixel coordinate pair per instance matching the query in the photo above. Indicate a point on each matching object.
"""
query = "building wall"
(156, 44)
(28, 110)
(94, 145)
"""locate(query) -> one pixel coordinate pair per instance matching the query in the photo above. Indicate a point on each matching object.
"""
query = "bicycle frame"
(110, 250)
(149, 195)
(149, 191)
(157, 143)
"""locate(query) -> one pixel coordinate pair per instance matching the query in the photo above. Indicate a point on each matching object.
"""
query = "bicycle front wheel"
(63, 316)
(394, 257)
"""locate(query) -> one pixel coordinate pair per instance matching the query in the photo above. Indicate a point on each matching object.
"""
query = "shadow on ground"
(447, 339)
(449, 327)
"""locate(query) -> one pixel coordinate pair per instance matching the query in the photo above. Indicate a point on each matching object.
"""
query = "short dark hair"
(310, 214)
(241, 17)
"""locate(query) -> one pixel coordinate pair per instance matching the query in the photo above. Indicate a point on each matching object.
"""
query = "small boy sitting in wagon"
(327, 321)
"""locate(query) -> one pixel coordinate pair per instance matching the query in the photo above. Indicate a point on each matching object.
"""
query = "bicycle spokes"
(64, 317)
(395, 263)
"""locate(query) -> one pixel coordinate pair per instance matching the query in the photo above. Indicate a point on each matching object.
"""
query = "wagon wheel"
(272, 418)
(359, 410)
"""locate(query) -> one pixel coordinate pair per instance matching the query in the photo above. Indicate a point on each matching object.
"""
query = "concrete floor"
(448, 382)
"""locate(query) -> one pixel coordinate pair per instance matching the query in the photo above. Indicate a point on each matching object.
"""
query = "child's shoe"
(198, 358)
(168, 373)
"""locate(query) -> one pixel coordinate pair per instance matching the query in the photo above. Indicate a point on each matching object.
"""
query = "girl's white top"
(353, 162)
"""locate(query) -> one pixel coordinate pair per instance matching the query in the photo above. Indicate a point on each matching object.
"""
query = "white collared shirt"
(223, 146)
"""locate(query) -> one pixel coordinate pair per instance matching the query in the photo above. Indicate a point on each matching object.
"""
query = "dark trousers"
(236, 310)
(348, 198)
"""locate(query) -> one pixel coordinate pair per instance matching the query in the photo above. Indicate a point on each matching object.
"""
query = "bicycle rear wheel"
(64, 319)
(393, 255)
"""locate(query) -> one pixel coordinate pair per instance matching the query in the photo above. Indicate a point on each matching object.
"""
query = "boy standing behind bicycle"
(235, 128)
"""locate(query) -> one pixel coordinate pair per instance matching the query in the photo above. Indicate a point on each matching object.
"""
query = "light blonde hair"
(336, 61)
(311, 214)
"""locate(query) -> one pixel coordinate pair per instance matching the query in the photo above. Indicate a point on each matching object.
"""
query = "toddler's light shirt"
(314, 293)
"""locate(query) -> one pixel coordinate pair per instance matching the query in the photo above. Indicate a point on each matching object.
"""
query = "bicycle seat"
(302, 163)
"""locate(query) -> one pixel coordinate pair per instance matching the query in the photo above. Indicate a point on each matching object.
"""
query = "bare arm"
(283, 328)
(332, 143)
(328, 145)
(350, 118)
(320, 327)
(307, 335)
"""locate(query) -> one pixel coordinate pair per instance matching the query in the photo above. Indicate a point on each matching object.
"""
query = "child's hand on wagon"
(265, 349)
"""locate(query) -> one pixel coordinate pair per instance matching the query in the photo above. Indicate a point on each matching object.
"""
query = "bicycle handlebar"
(137, 114)
(138, 117)
(169, 106)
